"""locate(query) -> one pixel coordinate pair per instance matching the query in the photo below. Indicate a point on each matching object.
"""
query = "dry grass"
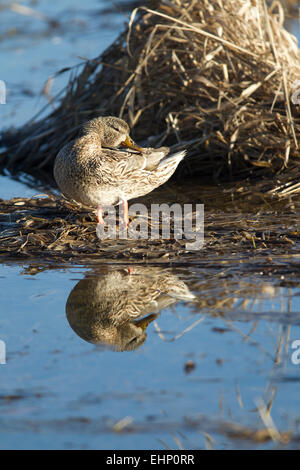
(238, 228)
(214, 76)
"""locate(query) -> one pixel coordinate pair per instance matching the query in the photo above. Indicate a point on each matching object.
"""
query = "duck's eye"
(116, 128)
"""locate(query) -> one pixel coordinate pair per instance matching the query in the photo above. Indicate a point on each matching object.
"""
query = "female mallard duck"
(92, 171)
(115, 307)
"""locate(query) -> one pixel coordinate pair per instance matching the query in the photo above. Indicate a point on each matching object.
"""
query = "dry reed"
(48, 228)
(213, 76)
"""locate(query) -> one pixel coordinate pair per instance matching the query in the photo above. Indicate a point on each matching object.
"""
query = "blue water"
(32, 51)
(60, 391)
(62, 378)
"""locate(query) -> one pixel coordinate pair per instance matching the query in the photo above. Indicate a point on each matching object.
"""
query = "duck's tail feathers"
(175, 158)
(183, 293)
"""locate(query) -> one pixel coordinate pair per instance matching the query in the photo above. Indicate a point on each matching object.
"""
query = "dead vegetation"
(238, 231)
(214, 76)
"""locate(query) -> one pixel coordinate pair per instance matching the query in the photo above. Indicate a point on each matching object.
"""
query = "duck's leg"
(100, 225)
(100, 215)
(125, 213)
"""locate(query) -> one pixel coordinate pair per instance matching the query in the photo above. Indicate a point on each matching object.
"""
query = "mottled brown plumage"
(94, 172)
(106, 308)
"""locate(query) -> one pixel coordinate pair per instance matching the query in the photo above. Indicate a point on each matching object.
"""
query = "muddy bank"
(239, 226)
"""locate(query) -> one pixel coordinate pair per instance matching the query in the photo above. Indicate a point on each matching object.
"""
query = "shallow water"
(33, 49)
(193, 373)
(60, 391)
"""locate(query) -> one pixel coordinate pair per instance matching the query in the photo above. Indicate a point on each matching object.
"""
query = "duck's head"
(113, 132)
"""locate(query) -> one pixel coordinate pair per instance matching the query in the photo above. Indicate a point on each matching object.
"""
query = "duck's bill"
(128, 142)
(144, 322)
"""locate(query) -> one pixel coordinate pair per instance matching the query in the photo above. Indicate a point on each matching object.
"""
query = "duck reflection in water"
(115, 308)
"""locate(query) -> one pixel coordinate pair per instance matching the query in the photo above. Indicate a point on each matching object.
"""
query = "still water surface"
(201, 365)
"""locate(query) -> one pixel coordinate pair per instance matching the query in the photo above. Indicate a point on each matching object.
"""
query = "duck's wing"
(147, 160)
(150, 160)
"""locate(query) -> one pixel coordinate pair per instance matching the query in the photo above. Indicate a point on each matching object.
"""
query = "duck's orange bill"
(144, 322)
(128, 142)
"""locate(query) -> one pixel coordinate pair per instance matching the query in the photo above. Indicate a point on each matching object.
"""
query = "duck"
(114, 307)
(103, 166)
